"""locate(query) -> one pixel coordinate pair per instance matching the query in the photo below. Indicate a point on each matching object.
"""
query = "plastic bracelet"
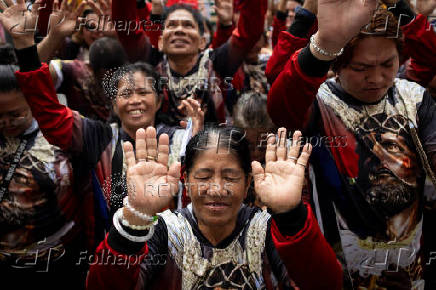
(138, 239)
(322, 51)
(143, 216)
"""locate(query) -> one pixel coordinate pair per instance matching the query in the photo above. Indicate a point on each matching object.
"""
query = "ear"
(160, 43)
(202, 43)
(115, 106)
(185, 178)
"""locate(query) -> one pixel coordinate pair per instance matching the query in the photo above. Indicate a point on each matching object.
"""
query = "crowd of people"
(227, 144)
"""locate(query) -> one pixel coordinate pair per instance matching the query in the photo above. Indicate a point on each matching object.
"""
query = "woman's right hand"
(151, 184)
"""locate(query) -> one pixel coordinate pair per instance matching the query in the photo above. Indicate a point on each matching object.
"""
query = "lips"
(217, 205)
(179, 41)
(136, 113)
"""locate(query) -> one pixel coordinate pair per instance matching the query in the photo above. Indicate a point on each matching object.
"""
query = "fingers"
(183, 124)
(36, 6)
(163, 150)
(282, 145)
(151, 141)
(294, 150)
(3, 7)
(141, 146)
(129, 154)
(95, 8)
(303, 159)
(80, 9)
(257, 171)
(270, 154)
(174, 177)
(10, 3)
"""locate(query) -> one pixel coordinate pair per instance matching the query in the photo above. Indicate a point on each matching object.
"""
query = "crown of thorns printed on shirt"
(113, 76)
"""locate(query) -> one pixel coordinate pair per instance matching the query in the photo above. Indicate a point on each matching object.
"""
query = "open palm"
(18, 21)
(280, 184)
(64, 17)
(150, 183)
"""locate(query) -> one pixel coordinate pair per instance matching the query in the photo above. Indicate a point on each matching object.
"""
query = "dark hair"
(106, 53)
(7, 54)
(383, 24)
(8, 82)
(112, 79)
(227, 137)
(194, 12)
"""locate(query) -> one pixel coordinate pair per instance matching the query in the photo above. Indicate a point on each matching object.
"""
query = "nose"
(135, 99)
(375, 77)
(216, 187)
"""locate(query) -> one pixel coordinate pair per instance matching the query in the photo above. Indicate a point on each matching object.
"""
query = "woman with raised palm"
(216, 242)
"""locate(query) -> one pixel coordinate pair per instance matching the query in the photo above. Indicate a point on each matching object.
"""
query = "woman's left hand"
(280, 183)
(193, 110)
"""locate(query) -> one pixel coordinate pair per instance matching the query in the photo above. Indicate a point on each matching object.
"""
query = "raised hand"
(64, 17)
(103, 8)
(151, 184)
(193, 109)
(19, 22)
(341, 20)
(224, 11)
(279, 185)
(425, 7)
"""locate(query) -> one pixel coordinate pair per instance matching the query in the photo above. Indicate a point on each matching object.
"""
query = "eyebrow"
(371, 65)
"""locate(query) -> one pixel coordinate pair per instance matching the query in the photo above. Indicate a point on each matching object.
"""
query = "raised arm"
(295, 232)
(132, 37)
(224, 25)
(250, 26)
(62, 22)
(151, 185)
(296, 37)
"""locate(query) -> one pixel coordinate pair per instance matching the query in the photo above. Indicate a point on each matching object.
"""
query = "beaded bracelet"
(137, 213)
(138, 239)
(126, 223)
(322, 51)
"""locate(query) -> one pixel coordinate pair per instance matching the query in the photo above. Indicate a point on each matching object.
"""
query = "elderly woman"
(216, 242)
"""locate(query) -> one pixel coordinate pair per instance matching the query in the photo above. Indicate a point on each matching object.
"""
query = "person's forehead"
(374, 50)
(13, 100)
(181, 15)
(213, 157)
(291, 5)
(137, 80)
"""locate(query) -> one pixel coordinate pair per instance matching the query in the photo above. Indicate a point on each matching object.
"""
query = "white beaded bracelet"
(322, 51)
(137, 213)
(139, 239)
(137, 227)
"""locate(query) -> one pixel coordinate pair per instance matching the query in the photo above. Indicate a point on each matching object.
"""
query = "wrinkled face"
(372, 69)
(217, 186)
(91, 30)
(181, 35)
(15, 114)
(136, 103)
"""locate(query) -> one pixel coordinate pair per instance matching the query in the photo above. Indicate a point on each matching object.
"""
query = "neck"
(217, 234)
(182, 64)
